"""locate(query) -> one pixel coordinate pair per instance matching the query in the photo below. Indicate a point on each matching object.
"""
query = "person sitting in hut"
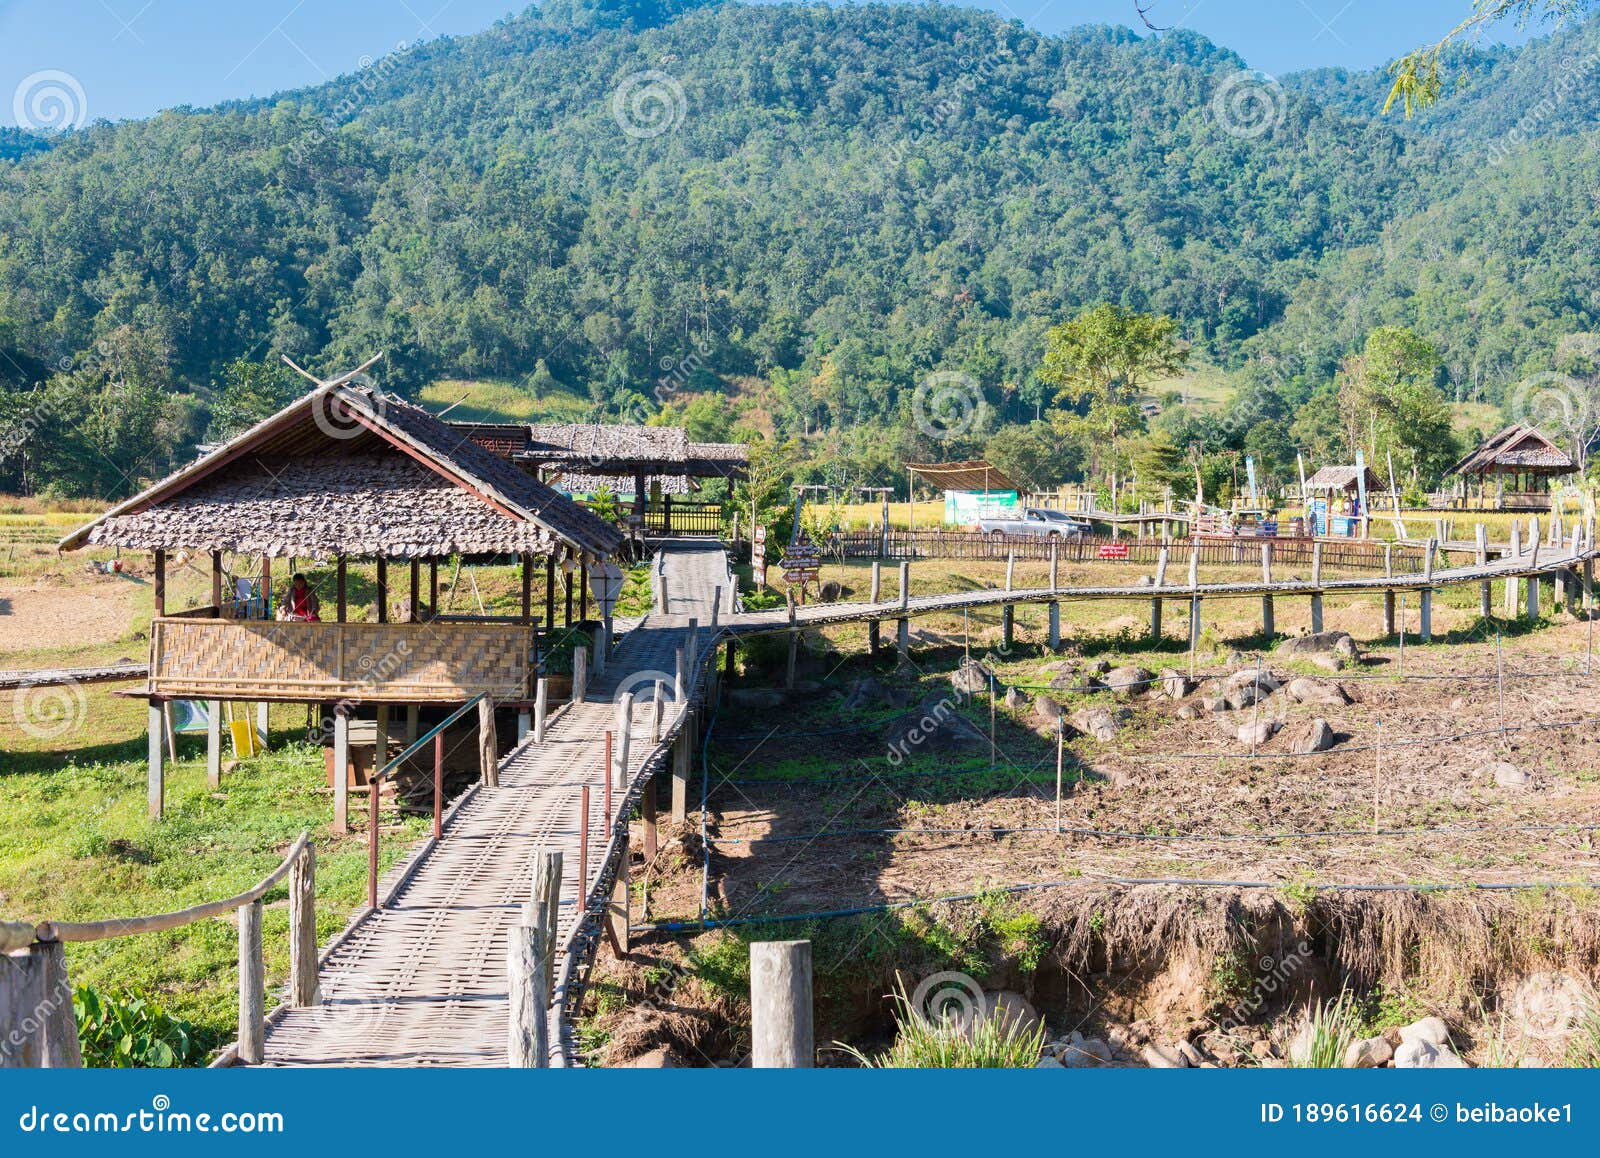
(302, 605)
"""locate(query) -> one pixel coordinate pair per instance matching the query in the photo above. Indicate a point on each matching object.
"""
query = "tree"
(1389, 400)
(249, 392)
(1418, 75)
(1034, 455)
(1099, 361)
(1107, 353)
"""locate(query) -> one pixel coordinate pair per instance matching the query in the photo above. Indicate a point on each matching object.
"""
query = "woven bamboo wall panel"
(368, 662)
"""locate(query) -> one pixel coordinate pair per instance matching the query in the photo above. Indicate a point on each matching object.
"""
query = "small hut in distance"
(1333, 499)
(1512, 470)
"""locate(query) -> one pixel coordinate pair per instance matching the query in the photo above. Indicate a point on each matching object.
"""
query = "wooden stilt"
(341, 771)
(157, 787)
(214, 744)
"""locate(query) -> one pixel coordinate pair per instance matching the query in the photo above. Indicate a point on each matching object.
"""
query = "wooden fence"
(37, 1026)
(410, 663)
(1244, 551)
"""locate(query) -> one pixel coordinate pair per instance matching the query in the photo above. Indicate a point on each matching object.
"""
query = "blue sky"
(131, 58)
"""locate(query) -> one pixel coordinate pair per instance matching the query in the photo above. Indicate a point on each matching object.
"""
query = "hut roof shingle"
(1519, 447)
(347, 470)
(1341, 478)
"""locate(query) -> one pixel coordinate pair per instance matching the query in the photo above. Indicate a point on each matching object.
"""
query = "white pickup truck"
(1038, 522)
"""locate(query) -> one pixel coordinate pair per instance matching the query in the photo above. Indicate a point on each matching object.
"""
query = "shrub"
(122, 1031)
(992, 1040)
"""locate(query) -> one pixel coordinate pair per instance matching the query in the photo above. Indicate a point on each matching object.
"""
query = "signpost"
(802, 565)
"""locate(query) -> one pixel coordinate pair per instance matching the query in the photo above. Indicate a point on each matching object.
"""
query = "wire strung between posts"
(954, 898)
(1197, 837)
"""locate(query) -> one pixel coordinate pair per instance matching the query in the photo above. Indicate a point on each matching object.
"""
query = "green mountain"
(814, 206)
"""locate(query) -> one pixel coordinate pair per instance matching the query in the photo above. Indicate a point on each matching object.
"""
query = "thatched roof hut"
(1519, 450)
(1343, 478)
(349, 471)
(628, 458)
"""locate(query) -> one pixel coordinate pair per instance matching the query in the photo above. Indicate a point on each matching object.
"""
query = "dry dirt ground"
(60, 613)
(820, 801)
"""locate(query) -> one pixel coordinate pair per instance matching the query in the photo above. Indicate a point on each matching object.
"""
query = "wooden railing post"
(528, 981)
(488, 745)
(438, 785)
(252, 986)
(303, 990)
(372, 844)
(781, 1025)
(580, 674)
(624, 738)
(37, 1026)
(541, 708)
(617, 908)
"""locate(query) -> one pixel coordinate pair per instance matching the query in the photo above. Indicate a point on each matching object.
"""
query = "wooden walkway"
(422, 980)
(1549, 561)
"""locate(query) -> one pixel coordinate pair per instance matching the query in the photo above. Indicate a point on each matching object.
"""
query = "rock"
(1188, 712)
(1159, 1057)
(1100, 666)
(1046, 710)
(1417, 1054)
(1191, 1056)
(1214, 704)
(1175, 684)
(1090, 1052)
(1011, 1010)
(1318, 737)
(1305, 690)
(1429, 1029)
(971, 677)
(1258, 733)
(1242, 697)
(862, 693)
(1368, 1053)
(1073, 681)
(1048, 1063)
(1263, 680)
(1016, 699)
(1097, 723)
(659, 1058)
(1509, 775)
(1321, 643)
(830, 592)
(1330, 661)
(1235, 658)
(1261, 1050)
(1127, 680)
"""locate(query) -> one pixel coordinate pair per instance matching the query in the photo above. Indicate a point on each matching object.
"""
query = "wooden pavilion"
(650, 464)
(1513, 469)
(346, 474)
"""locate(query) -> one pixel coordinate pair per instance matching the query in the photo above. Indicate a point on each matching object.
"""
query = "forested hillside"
(808, 208)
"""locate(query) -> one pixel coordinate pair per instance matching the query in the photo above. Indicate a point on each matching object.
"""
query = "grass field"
(76, 844)
(500, 401)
